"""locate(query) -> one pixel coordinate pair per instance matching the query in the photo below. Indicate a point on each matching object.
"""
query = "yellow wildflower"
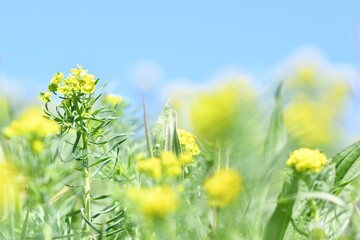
(65, 90)
(45, 96)
(316, 101)
(37, 146)
(171, 164)
(57, 78)
(223, 187)
(81, 81)
(88, 87)
(309, 122)
(79, 71)
(113, 99)
(188, 141)
(88, 78)
(214, 115)
(305, 159)
(151, 167)
(31, 122)
(186, 158)
(155, 202)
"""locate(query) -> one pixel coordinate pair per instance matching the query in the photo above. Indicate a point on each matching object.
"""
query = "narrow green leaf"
(88, 221)
(276, 138)
(25, 225)
(281, 217)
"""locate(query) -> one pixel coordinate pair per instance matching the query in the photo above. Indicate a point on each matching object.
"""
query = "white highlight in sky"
(146, 74)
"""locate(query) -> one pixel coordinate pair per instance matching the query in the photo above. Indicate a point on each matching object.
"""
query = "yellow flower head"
(113, 99)
(57, 78)
(79, 71)
(187, 140)
(151, 167)
(88, 87)
(45, 97)
(31, 122)
(214, 115)
(37, 146)
(305, 159)
(65, 90)
(309, 122)
(155, 202)
(186, 158)
(317, 99)
(80, 81)
(171, 163)
(223, 187)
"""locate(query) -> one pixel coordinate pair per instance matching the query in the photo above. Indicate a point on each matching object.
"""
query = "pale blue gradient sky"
(187, 39)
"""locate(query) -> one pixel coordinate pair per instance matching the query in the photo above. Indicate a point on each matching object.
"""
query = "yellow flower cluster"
(151, 167)
(155, 202)
(9, 189)
(223, 187)
(79, 81)
(189, 146)
(113, 99)
(45, 97)
(309, 122)
(31, 122)
(315, 102)
(214, 114)
(167, 164)
(305, 159)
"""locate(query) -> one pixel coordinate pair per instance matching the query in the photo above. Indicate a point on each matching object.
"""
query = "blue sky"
(184, 39)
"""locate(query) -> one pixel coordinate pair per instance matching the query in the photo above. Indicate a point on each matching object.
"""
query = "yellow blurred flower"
(113, 99)
(37, 146)
(151, 167)
(316, 100)
(309, 123)
(214, 114)
(186, 158)
(155, 202)
(168, 164)
(305, 159)
(223, 187)
(31, 122)
(171, 163)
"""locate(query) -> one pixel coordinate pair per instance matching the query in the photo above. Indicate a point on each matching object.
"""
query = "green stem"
(87, 189)
(147, 133)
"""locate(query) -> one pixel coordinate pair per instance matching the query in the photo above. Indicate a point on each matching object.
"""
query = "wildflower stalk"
(78, 112)
(87, 188)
